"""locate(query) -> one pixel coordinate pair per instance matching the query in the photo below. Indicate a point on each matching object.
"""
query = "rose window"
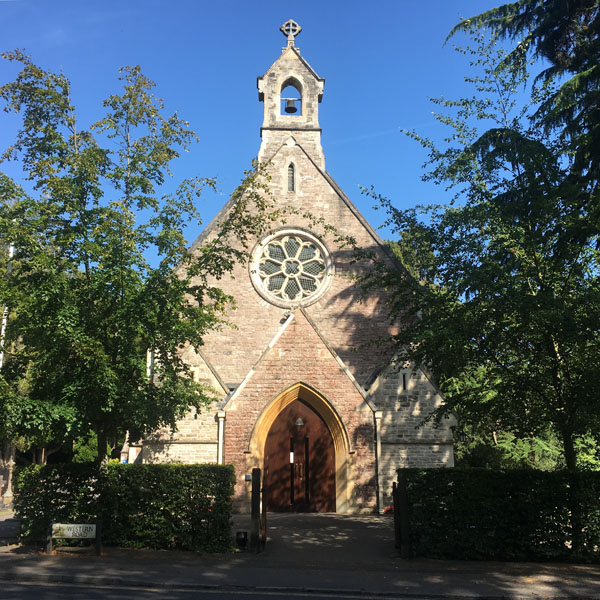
(291, 268)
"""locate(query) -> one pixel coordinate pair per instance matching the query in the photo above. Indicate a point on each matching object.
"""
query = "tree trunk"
(569, 449)
(102, 441)
(574, 497)
(51, 451)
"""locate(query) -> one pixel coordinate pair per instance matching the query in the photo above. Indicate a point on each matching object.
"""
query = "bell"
(290, 106)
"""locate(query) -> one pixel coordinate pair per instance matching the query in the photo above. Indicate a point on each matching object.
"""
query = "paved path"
(329, 540)
(312, 554)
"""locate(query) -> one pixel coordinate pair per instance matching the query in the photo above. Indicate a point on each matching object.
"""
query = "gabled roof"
(303, 61)
(299, 314)
(338, 190)
(296, 51)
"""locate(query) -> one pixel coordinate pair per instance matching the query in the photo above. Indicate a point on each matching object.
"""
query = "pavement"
(321, 554)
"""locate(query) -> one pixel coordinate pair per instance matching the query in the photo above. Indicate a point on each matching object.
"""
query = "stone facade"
(319, 349)
(406, 397)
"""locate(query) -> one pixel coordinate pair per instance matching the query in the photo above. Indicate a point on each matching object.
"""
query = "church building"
(306, 391)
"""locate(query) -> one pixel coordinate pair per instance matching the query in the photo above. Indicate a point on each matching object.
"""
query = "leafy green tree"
(85, 449)
(482, 446)
(103, 293)
(507, 315)
(565, 35)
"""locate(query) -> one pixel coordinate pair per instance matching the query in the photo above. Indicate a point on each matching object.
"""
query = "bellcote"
(291, 92)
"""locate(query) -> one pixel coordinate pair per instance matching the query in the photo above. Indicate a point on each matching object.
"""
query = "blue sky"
(381, 60)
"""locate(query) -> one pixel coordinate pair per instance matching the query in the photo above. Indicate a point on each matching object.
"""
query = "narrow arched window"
(291, 178)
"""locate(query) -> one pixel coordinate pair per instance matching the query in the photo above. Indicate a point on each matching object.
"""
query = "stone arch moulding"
(341, 440)
(294, 82)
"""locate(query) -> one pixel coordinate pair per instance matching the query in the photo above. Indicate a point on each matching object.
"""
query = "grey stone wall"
(409, 438)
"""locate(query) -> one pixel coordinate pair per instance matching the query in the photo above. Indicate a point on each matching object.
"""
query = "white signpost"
(77, 531)
(73, 531)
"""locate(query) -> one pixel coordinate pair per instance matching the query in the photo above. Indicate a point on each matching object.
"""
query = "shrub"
(158, 506)
(501, 515)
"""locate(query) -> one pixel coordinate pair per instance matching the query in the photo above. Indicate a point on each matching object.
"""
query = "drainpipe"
(221, 421)
(378, 417)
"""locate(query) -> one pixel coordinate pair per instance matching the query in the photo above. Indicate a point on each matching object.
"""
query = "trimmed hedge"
(502, 515)
(186, 507)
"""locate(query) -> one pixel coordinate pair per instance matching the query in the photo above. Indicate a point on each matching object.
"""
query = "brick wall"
(300, 355)
(349, 321)
(178, 452)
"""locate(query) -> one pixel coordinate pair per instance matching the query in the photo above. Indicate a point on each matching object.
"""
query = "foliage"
(103, 292)
(588, 452)
(158, 506)
(501, 515)
(505, 305)
(85, 449)
(504, 450)
(566, 36)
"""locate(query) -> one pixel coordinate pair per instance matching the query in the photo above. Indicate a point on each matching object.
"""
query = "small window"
(291, 178)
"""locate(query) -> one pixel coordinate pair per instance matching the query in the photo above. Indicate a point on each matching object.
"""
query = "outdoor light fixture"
(299, 422)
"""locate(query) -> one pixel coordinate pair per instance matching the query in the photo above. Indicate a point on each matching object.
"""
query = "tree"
(507, 312)
(103, 293)
(565, 35)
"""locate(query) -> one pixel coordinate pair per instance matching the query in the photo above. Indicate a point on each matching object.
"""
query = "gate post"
(263, 523)
(401, 505)
(396, 515)
(255, 512)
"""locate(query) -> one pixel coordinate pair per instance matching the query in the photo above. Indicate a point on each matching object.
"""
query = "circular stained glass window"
(291, 268)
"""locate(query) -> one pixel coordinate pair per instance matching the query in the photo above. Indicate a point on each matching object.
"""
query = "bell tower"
(291, 92)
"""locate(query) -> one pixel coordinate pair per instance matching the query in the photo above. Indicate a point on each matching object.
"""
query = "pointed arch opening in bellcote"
(290, 98)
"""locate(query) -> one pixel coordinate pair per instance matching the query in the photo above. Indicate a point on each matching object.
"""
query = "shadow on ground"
(334, 553)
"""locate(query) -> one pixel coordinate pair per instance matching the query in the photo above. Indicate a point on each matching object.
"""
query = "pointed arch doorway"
(300, 461)
(311, 397)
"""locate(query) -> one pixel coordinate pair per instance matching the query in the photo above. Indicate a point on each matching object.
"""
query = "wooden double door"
(299, 462)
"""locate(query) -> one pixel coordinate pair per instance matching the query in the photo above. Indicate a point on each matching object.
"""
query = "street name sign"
(74, 531)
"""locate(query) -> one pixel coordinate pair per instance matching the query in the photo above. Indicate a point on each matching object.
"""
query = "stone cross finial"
(290, 29)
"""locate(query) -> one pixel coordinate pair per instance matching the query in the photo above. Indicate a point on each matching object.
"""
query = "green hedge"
(154, 506)
(502, 515)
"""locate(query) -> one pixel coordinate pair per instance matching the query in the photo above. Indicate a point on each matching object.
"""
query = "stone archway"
(318, 403)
